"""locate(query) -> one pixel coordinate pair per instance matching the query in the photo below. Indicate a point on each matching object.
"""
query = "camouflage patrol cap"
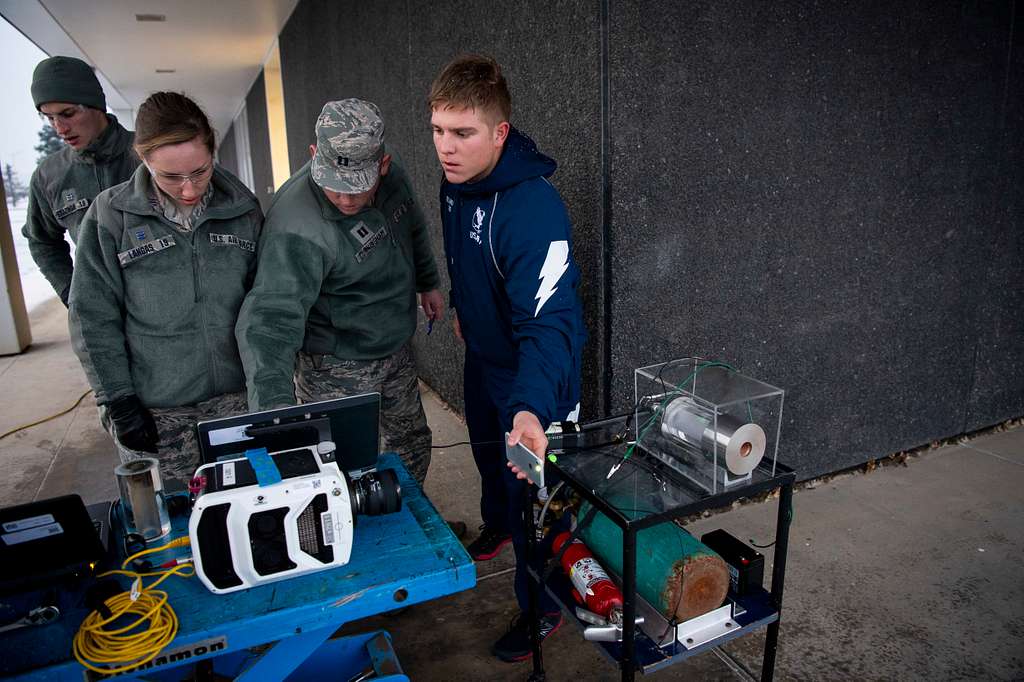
(349, 146)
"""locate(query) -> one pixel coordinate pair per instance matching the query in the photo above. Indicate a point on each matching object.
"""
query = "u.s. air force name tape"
(145, 249)
(232, 240)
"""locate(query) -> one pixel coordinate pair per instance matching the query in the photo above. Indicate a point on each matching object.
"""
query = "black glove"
(134, 427)
(65, 295)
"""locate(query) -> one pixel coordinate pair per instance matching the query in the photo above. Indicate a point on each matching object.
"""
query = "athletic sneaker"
(488, 544)
(515, 644)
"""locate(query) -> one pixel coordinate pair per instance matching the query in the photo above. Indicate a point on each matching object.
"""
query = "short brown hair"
(472, 81)
(170, 118)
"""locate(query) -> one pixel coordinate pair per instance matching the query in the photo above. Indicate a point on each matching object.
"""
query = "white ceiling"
(216, 47)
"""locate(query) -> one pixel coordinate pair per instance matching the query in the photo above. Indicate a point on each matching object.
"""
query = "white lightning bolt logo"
(556, 263)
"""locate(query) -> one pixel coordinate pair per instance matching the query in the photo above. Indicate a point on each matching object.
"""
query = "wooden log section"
(675, 572)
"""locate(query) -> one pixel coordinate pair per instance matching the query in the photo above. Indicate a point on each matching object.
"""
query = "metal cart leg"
(771, 640)
(533, 585)
(628, 662)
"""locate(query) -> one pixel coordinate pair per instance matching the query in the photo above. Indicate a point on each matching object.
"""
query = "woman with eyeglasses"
(163, 263)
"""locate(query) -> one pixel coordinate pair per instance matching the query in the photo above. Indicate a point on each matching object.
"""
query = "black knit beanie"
(66, 79)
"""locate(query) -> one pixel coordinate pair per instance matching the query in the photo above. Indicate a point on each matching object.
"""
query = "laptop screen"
(352, 423)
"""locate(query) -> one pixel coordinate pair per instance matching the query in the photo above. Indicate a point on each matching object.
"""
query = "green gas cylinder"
(675, 572)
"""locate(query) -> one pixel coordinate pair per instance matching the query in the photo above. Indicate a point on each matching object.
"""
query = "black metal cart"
(643, 492)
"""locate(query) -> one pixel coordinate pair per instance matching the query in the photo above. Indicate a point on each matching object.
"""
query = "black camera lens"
(376, 493)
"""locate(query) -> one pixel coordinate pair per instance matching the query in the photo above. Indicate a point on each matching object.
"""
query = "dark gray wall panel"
(309, 51)
(259, 141)
(998, 360)
(828, 195)
(807, 192)
(226, 154)
(390, 55)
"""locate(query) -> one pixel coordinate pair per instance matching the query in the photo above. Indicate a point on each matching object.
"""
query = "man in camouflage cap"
(349, 146)
(343, 253)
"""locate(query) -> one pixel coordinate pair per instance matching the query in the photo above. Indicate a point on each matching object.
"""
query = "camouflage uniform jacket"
(61, 189)
(153, 308)
(332, 284)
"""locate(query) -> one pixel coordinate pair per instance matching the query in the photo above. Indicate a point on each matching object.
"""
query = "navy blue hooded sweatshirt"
(508, 243)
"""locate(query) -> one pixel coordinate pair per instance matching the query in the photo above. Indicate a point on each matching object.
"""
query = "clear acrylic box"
(707, 421)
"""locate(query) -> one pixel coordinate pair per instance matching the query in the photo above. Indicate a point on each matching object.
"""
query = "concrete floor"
(907, 572)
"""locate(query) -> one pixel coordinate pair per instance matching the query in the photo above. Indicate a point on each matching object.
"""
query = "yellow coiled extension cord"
(138, 642)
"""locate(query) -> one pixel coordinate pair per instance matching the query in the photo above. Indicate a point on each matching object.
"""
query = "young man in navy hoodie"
(508, 246)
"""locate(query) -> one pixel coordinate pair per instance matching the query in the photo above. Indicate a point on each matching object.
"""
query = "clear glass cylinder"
(142, 498)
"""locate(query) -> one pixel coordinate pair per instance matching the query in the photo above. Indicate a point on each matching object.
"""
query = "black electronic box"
(46, 542)
(746, 566)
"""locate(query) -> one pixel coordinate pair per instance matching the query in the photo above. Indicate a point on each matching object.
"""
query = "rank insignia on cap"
(343, 161)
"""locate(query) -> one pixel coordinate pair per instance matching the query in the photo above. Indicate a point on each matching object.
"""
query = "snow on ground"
(33, 285)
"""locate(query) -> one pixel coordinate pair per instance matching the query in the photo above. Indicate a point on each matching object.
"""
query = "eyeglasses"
(179, 180)
(64, 116)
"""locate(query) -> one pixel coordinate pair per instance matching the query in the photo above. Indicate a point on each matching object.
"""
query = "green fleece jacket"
(63, 187)
(153, 308)
(332, 284)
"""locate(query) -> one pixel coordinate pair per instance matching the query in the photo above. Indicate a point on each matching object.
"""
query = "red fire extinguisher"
(591, 585)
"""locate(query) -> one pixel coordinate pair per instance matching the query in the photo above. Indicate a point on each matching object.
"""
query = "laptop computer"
(352, 423)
